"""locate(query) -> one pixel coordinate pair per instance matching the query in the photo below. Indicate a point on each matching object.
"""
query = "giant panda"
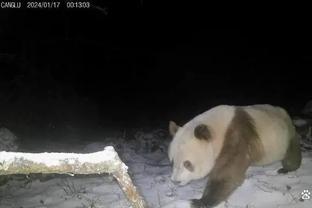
(224, 141)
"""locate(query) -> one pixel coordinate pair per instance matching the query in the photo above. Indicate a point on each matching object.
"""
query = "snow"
(300, 122)
(55, 159)
(150, 170)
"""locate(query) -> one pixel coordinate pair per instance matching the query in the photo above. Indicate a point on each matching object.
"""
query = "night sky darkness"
(135, 65)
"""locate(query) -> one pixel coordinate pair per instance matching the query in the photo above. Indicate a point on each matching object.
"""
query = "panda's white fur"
(184, 144)
(272, 125)
(275, 130)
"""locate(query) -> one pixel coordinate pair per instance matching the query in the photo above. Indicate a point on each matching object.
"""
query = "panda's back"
(275, 130)
(272, 124)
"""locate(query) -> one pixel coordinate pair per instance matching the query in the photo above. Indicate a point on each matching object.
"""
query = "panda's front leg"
(217, 191)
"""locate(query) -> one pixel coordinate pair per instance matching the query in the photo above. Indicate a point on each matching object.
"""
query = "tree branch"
(106, 161)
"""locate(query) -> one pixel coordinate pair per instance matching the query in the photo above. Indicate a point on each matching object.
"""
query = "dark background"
(133, 65)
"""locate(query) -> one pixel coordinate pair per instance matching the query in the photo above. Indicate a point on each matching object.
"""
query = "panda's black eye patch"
(188, 165)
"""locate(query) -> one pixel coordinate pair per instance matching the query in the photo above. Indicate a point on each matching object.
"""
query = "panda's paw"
(282, 171)
(178, 204)
(197, 203)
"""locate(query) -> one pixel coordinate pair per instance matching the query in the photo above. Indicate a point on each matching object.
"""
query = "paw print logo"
(306, 194)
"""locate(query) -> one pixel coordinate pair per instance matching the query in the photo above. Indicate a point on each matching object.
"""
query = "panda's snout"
(175, 181)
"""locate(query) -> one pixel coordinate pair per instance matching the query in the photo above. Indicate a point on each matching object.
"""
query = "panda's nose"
(174, 181)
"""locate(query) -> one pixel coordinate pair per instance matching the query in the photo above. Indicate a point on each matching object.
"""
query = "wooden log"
(106, 161)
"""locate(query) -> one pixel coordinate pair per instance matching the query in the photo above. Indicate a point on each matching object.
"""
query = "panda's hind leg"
(292, 160)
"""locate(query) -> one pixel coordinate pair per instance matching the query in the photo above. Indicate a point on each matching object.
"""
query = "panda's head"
(190, 152)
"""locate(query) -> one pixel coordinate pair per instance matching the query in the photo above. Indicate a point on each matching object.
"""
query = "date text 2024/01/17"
(44, 4)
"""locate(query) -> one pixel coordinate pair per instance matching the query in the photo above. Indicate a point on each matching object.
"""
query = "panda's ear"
(173, 128)
(202, 132)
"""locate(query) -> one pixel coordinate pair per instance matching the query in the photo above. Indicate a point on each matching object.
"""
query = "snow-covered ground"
(146, 156)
